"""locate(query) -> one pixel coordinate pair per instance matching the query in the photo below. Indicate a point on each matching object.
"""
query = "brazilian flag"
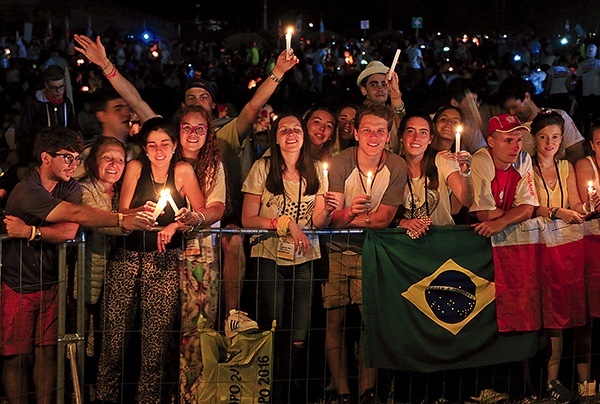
(429, 304)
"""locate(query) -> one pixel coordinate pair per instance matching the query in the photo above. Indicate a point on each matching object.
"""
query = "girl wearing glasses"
(143, 272)
(198, 270)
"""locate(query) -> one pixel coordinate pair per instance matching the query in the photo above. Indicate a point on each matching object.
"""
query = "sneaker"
(559, 393)
(238, 321)
(587, 388)
(489, 396)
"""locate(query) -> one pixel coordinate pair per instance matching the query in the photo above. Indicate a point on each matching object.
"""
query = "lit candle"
(160, 205)
(170, 199)
(590, 194)
(369, 182)
(326, 176)
(288, 43)
(457, 138)
(396, 56)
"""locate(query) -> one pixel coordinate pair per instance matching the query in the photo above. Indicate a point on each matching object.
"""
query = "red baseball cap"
(504, 123)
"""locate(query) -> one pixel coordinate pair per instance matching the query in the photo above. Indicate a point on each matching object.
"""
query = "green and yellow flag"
(429, 304)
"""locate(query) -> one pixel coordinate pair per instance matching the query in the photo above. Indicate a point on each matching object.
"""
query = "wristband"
(33, 232)
(120, 220)
(201, 218)
(400, 110)
(275, 78)
(112, 74)
(466, 174)
(273, 224)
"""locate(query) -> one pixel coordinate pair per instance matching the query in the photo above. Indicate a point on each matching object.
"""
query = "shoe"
(559, 393)
(587, 388)
(238, 321)
(489, 396)
(343, 399)
(368, 397)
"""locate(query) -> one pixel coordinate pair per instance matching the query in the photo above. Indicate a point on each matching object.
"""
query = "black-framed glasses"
(69, 158)
(58, 88)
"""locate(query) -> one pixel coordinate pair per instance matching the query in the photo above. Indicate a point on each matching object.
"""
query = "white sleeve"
(482, 174)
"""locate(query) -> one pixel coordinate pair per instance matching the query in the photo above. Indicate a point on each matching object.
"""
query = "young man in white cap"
(378, 85)
(503, 178)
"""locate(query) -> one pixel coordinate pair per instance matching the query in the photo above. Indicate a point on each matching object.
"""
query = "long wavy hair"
(428, 166)
(305, 164)
(207, 163)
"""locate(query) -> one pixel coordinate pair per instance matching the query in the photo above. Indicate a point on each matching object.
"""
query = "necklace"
(361, 174)
(537, 164)
(164, 184)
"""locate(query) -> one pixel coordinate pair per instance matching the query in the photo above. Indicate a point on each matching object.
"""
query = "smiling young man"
(502, 178)
(368, 183)
(42, 210)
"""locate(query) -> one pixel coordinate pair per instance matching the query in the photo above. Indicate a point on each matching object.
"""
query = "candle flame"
(325, 166)
(290, 30)
(459, 129)
(369, 175)
(590, 184)
(165, 193)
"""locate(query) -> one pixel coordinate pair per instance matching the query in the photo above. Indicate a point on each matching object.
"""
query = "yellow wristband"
(32, 235)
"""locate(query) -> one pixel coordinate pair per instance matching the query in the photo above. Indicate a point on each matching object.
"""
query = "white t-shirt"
(271, 206)
(484, 172)
(589, 72)
(438, 206)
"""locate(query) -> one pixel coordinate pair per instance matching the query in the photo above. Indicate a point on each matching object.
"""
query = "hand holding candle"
(288, 43)
(393, 67)
(160, 206)
(457, 138)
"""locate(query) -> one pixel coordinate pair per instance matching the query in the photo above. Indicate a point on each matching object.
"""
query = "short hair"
(91, 161)
(154, 124)
(55, 138)
(377, 109)
(53, 73)
(459, 87)
(546, 118)
(102, 98)
(514, 87)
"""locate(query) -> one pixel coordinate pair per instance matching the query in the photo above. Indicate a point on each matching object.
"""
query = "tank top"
(146, 190)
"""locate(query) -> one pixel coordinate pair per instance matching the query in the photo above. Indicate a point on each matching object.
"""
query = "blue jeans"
(285, 291)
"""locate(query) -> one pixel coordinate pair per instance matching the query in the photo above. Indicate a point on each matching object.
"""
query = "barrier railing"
(312, 383)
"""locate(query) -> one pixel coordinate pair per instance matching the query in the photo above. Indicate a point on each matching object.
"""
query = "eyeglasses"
(57, 88)
(200, 130)
(69, 158)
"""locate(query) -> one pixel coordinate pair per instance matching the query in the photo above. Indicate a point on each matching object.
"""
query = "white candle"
(369, 182)
(326, 177)
(160, 206)
(457, 138)
(171, 201)
(590, 194)
(396, 56)
(288, 43)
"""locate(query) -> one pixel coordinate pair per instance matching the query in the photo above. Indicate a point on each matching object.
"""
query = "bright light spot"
(310, 24)
(274, 117)
(451, 69)
(7, 51)
(333, 42)
(80, 62)
(364, 62)
(564, 41)
(504, 36)
(439, 33)
(364, 53)
(290, 30)
(422, 46)
(85, 89)
(154, 54)
(446, 49)
(517, 58)
(251, 84)
(146, 36)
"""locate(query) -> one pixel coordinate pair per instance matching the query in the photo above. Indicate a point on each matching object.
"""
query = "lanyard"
(537, 164)
(361, 174)
(413, 206)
